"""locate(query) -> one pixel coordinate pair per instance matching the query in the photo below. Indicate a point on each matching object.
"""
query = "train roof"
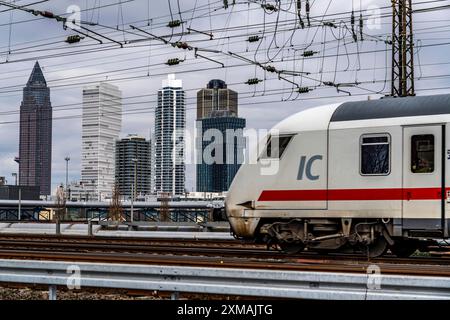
(393, 108)
(339, 115)
(312, 119)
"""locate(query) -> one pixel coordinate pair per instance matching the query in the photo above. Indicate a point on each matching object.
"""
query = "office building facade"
(216, 97)
(228, 154)
(170, 123)
(218, 158)
(101, 125)
(133, 166)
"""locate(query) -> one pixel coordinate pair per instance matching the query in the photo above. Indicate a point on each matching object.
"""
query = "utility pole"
(135, 177)
(133, 189)
(19, 212)
(67, 172)
(66, 193)
(402, 84)
(132, 203)
(60, 208)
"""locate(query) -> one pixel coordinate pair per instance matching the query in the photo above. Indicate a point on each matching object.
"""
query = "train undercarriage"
(370, 237)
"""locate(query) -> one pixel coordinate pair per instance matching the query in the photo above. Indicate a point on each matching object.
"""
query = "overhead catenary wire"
(279, 27)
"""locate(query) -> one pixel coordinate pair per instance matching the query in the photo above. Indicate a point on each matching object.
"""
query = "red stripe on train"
(351, 194)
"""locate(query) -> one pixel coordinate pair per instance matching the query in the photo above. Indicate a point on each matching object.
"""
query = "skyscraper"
(170, 123)
(217, 113)
(133, 162)
(216, 97)
(35, 141)
(101, 125)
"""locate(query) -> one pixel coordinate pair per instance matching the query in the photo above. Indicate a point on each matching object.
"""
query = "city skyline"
(77, 177)
(101, 123)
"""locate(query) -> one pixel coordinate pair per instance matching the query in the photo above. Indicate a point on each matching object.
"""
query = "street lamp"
(67, 171)
(67, 177)
(19, 211)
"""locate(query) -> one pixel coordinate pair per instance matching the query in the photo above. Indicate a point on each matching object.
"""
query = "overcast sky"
(30, 38)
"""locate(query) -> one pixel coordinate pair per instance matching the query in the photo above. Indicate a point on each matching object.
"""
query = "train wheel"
(377, 248)
(291, 248)
(403, 249)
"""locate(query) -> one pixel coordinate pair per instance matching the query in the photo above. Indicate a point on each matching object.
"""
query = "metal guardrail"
(241, 282)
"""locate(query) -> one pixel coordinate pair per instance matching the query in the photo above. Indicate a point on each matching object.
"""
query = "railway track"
(204, 253)
(293, 264)
(51, 238)
(182, 246)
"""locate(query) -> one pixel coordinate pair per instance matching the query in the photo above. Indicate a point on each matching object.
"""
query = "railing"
(141, 214)
(28, 214)
(241, 282)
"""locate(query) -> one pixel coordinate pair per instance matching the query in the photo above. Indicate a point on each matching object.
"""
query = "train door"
(423, 179)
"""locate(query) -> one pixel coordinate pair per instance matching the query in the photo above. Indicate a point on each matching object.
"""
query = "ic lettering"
(305, 168)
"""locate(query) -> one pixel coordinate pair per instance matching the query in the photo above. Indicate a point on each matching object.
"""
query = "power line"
(276, 26)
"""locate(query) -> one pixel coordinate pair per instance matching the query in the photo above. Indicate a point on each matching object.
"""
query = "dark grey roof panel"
(36, 77)
(393, 108)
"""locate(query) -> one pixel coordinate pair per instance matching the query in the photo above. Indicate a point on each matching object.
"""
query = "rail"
(241, 282)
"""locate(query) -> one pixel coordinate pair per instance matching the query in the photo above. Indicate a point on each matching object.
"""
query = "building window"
(422, 153)
(276, 145)
(375, 154)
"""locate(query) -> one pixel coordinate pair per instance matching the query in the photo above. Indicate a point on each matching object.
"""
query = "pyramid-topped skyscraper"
(37, 77)
(35, 146)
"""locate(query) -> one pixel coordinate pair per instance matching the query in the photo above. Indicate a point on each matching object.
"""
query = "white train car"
(370, 175)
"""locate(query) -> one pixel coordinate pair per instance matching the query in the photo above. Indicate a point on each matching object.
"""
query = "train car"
(366, 176)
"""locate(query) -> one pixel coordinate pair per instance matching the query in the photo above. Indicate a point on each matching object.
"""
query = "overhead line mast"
(402, 49)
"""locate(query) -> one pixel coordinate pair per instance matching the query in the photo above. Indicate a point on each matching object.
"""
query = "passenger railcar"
(370, 175)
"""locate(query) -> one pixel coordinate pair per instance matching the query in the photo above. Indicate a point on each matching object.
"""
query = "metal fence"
(100, 213)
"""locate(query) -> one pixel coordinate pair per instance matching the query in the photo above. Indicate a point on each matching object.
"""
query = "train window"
(276, 146)
(422, 153)
(375, 154)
